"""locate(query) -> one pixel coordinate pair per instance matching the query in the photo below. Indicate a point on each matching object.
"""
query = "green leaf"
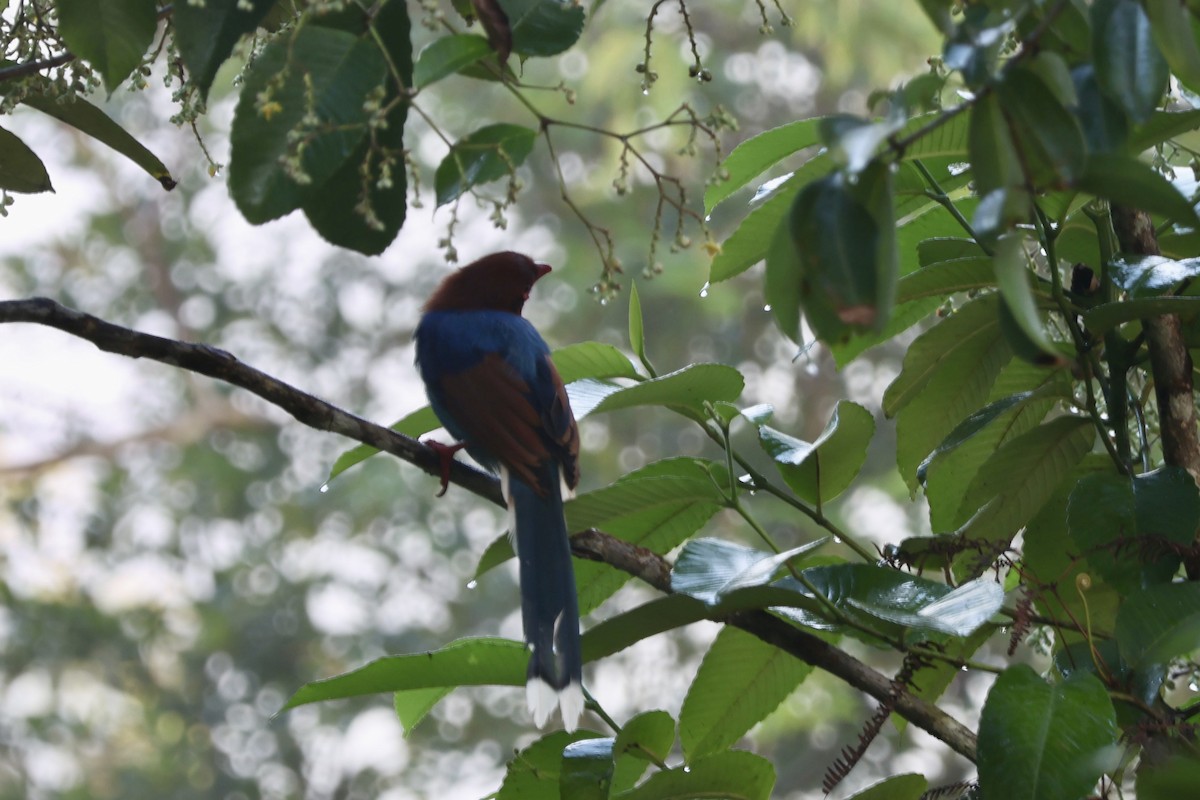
(587, 769)
(929, 354)
(1146, 276)
(656, 507)
(709, 569)
(1046, 135)
(1171, 24)
(689, 388)
(446, 56)
(637, 334)
(992, 152)
(844, 235)
(412, 705)
(592, 360)
(1129, 67)
(948, 277)
(1110, 518)
(649, 619)
(1130, 182)
(820, 471)
(88, 119)
(465, 662)
(1022, 475)
(741, 680)
(732, 775)
(1105, 317)
(897, 787)
(20, 168)
(1105, 125)
(947, 373)
(207, 32)
(535, 772)
(414, 425)
(111, 35)
(543, 27)
(648, 735)
(1161, 126)
(1039, 741)
(1012, 276)
(1159, 623)
(783, 281)
(1171, 780)
(489, 153)
(755, 155)
(343, 70)
(337, 211)
(748, 244)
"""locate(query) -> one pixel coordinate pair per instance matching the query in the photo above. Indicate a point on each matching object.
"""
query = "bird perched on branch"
(492, 384)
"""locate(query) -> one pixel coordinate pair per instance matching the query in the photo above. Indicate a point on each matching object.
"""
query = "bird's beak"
(542, 269)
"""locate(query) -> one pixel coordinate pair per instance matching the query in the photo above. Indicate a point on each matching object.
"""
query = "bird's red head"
(499, 282)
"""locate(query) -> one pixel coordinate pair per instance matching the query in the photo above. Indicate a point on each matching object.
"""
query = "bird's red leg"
(445, 454)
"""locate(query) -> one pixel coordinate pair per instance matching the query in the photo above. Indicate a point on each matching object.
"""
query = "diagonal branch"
(224, 366)
(656, 571)
(594, 545)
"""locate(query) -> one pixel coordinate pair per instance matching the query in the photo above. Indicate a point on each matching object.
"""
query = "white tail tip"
(543, 698)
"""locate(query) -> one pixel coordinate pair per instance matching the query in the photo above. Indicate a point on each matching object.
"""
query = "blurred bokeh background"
(170, 568)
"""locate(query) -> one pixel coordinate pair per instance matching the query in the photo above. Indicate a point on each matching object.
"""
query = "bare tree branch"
(224, 366)
(591, 544)
(656, 571)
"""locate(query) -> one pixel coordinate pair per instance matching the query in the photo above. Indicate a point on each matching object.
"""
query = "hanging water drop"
(324, 488)
(767, 307)
(704, 289)
(471, 584)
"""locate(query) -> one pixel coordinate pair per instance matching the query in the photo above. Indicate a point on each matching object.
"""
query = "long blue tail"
(549, 606)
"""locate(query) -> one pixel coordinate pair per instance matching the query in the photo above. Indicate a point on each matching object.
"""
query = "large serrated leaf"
(207, 32)
(534, 772)
(1158, 624)
(928, 355)
(690, 388)
(649, 619)
(356, 208)
(446, 56)
(944, 278)
(111, 35)
(1039, 741)
(820, 471)
(1046, 135)
(543, 27)
(755, 155)
(948, 471)
(741, 680)
(336, 71)
(649, 735)
(732, 775)
(1022, 475)
(465, 662)
(487, 154)
(748, 244)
